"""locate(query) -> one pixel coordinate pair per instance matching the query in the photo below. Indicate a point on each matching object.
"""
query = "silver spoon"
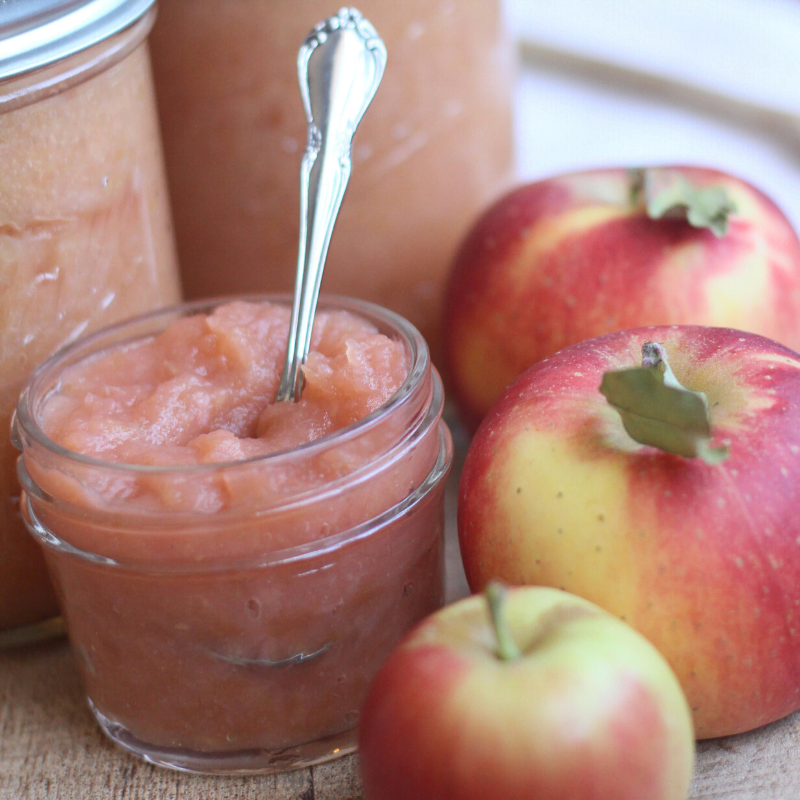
(340, 66)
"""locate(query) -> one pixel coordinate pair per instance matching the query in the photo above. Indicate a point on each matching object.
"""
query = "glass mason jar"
(434, 147)
(85, 229)
(242, 639)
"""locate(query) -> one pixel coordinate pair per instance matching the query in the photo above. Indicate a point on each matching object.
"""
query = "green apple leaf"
(657, 411)
(667, 194)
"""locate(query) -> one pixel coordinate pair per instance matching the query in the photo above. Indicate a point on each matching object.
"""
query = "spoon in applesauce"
(340, 66)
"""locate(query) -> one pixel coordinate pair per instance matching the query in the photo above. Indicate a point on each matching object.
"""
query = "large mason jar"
(434, 147)
(85, 229)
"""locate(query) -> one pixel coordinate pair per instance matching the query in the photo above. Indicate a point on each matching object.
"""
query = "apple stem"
(657, 411)
(654, 356)
(665, 193)
(507, 649)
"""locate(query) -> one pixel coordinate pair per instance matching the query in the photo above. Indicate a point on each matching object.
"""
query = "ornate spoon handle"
(340, 66)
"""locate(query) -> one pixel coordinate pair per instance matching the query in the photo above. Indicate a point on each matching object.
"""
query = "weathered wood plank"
(51, 749)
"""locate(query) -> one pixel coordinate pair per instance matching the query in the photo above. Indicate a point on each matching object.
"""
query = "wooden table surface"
(51, 748)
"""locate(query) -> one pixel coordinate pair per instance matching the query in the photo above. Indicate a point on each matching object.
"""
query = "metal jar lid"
(34, 33)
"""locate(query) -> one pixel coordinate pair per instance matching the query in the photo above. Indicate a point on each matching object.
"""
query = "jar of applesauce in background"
(85, 230)
(433, 149)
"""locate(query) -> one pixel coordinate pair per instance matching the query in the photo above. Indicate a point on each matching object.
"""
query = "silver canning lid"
(34, 33)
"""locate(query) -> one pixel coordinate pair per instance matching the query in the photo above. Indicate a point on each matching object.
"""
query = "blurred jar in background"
(433, 149)
(85, 230)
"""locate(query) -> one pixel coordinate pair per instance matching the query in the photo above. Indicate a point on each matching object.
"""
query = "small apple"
(579, 255)
(547, 697)
(700, 554)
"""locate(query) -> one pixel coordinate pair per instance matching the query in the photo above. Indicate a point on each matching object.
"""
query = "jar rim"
(310, 549)
(25, 417)
(35, 33)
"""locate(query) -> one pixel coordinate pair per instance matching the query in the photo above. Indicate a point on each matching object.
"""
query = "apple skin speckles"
(702, 559)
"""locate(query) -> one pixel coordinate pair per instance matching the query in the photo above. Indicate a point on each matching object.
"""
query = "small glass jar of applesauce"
(229, 616)
(434, 148)
(85, 229)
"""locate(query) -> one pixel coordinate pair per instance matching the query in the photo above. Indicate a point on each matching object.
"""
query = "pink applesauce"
(234, 571)
(434, 148)
(203, 391)
(85, 241)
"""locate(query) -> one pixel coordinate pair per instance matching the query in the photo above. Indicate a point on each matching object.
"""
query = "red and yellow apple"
(702, 558)
(569, 703)
(580, 255)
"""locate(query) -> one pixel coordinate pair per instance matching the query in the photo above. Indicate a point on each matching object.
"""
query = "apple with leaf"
(576, 256)
(656, 473)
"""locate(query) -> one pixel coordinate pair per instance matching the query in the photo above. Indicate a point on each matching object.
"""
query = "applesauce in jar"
(85, 229)
(434, 148)
(233, 571)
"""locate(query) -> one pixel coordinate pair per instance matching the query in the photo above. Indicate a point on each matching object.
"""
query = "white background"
(633, 82)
